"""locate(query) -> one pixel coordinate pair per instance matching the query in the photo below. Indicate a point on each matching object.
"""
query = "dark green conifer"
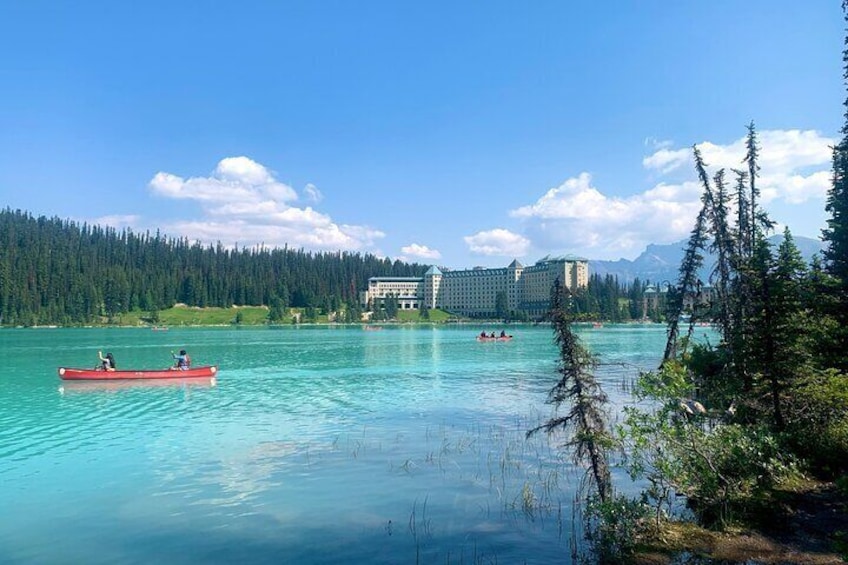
(586, 419)
(836, 233)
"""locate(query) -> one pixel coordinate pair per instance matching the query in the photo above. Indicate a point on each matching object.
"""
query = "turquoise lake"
(312, 445)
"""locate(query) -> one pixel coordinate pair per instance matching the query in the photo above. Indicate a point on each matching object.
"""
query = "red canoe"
(70, 374)
(505, 338)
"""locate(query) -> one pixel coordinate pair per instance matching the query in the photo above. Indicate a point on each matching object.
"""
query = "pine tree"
(836, 233)
(777, 348)
(391, 305)
(353, 313)
(276, 310)
(791, 279)
(55, 271)
(586, 418)
(687, 282)
(752, 152)
(501, 305)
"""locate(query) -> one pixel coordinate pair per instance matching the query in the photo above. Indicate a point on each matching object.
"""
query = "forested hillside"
(55, 271)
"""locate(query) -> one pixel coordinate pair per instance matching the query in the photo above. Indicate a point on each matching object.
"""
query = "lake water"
(313, 445)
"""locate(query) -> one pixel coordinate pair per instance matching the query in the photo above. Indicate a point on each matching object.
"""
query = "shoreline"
(481, 323)
(808, 527)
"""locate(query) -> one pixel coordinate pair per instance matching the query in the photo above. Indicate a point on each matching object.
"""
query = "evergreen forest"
(58, 272)
(55, 271)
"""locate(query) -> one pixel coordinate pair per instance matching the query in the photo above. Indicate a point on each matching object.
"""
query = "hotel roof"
(434, 270)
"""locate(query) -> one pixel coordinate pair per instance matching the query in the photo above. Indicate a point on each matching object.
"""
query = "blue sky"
(448, 133)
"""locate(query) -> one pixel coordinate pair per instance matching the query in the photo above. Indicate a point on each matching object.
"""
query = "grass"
(181, 315)
(806, 523)
(192, 316)
(436, 316)
(731, 546)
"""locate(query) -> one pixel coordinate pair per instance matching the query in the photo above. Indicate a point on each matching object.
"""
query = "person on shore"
(106, 363)
(182, 362)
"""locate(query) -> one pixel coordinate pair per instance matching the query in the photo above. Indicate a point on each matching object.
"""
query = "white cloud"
(420, 251)
(235, 179)
(498, 242)
(243, 204)
(574, 199)
(312, 193)
(658, 143)
(798, 188)
(781, 151)
(326, 236)
(666, 160)
(579, 217)
(791, 162)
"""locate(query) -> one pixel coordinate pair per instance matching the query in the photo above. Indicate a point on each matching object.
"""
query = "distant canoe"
(505, 338)
(71, 374)
(159, 328)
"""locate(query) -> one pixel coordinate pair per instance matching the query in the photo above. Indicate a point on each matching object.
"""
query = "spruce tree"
(586, 418)
(752, 152)
(687, 282)
(791, 279)
(836, 233)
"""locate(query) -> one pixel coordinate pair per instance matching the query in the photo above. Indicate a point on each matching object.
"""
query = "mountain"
(661, 262)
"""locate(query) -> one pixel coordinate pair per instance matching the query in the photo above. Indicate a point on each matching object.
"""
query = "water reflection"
(313, 446)
(72, 387)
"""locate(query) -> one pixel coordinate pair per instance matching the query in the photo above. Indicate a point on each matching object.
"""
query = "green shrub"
(842, 484)
(614, 528)
(723, 470)
(733, 468)
(817, 422)
(709, 366)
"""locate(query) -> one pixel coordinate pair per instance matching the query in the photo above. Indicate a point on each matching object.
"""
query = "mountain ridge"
(660, 262)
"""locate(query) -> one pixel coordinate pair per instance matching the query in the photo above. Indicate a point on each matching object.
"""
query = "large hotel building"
(474, 292)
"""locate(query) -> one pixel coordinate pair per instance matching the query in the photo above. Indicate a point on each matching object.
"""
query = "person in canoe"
(106, 363)
(182, 362)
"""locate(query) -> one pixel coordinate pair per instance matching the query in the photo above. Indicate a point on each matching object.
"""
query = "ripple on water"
(309, 438)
